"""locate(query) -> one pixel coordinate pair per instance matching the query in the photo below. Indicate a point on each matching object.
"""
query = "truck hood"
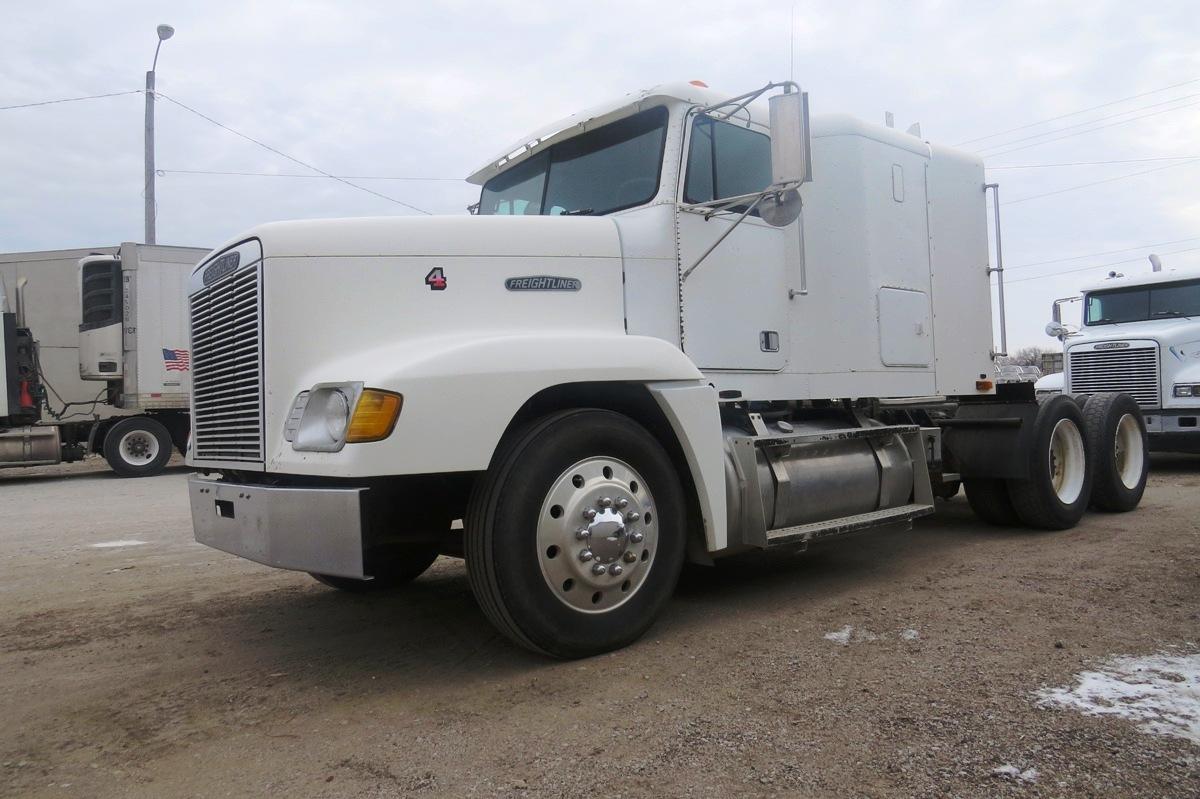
(437, 236)
(1179, 335)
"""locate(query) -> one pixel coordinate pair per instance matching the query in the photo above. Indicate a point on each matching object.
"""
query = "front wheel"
(575, 535)
(137, 447)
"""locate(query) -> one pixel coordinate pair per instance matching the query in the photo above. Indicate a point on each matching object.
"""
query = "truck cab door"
(735, 305)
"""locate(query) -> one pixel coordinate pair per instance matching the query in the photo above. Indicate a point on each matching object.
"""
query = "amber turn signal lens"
(374, 417)
(984, 385)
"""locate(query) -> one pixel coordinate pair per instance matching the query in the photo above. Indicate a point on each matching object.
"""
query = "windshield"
(612, 167)
(1139, 303)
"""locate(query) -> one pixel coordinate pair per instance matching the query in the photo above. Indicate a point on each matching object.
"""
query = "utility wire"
(1085, 123)
(1097, 163)
(298, 175)
(304, 164)
(1081, 111)
(1089, 268)
(1091, 130)
(1105, 252)
(69, 100)
(1098, 182)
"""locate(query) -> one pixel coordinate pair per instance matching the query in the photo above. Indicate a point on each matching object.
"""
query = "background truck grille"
(227, 392)
(1133, 371)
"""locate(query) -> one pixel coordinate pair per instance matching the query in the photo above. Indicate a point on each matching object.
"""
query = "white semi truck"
(104, 353)
(1141, 335)
(641, 350)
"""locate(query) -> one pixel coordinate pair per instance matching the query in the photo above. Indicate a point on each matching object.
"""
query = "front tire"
(137, 447)
(1059, 487)
(575, 535)
(1116, 435)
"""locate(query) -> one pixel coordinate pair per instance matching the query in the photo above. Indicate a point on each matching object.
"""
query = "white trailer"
(663, 336)
(1140, 335)
(109, 370)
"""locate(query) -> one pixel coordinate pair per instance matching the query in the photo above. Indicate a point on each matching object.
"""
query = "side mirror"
(1056, 312)
(1056, 329)
(791, 157)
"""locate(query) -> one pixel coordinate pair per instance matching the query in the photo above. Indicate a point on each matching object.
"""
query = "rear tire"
(1116, 436)
(137, 447)
(405, 564)
(575, 536)
(988, 498)
(1059, 487)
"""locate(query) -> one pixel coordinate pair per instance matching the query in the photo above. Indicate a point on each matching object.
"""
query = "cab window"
(725, 160)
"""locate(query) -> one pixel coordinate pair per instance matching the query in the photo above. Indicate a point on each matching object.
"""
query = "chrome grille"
(1132, 370)
(227, 394)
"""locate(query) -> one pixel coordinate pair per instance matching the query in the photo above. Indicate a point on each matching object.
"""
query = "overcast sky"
(434, 89)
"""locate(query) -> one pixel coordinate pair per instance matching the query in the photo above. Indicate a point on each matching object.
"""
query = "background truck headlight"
(1187, 390)
(331, 415)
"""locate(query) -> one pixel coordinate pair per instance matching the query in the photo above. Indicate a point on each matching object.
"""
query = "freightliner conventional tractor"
(678, 327)
(1141, 336)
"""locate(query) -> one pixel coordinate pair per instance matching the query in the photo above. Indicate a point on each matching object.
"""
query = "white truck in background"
(1140, 335)
(679, 326)
(104, 353)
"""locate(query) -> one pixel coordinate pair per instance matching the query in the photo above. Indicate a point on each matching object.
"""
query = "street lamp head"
(165, 32)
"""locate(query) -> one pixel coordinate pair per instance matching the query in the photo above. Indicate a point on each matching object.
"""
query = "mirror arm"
(743, 100)
(722, 237)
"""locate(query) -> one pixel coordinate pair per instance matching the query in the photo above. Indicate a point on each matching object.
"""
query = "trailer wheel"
(575, 535)
(1116, 436)
(989, 500)
(404, 566)
(1060, 476)
(137, 447)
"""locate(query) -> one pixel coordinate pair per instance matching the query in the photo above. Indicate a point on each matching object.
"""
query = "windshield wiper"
(578, 212)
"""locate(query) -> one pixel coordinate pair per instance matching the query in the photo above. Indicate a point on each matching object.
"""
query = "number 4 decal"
(436, 279)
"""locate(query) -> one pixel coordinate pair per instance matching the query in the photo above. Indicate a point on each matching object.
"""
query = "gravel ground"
(893, 664)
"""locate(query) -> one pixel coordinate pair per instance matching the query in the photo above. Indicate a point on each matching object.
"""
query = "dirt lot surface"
(154, 667)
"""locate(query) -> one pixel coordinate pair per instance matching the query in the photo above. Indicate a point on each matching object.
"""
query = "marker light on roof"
(699, 83)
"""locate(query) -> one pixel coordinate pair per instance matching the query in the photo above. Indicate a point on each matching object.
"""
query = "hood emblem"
(222, 266)
(543, 283)
(1112, 345)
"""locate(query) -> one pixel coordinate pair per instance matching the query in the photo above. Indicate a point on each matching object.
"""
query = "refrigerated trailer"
(102, 340)
(680, 326)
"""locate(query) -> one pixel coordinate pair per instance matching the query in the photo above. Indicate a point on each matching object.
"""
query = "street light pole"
(164, 32)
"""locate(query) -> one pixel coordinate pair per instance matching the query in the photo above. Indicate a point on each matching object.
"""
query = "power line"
(1092, 130)
(1105, 252)
(299, 175)
(1098, 163)
(1082, 111)
(1096, 266)
(69, 100)
(1093, 121)
(288, 157)
(1098, 182)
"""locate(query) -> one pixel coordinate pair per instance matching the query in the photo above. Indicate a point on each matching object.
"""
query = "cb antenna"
(792, 45)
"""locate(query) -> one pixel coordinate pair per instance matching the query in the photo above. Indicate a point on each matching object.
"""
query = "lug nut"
(630, 556)
(600, 568)
(622, 503)
(606, 502)
(615, 570)
(636, 538)
(632, 516)
(582, 533)
(589, 514)
(585, 555)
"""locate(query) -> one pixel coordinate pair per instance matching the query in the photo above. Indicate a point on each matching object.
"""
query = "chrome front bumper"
(306, 529)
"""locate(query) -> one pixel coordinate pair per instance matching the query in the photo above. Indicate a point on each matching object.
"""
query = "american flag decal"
(177, 360)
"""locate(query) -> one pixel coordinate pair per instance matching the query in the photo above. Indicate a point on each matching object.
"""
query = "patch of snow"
(128, 542)
(1160, 691)
(847, 634)
(910, 634)
(1011, 772)
(841, 636)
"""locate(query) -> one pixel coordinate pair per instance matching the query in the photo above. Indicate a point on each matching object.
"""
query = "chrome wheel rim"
(597, 534)
(138, 447)
(1068, 464)
(1128, 454)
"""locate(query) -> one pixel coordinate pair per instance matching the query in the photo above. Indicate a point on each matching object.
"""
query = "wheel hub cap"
(597, 534)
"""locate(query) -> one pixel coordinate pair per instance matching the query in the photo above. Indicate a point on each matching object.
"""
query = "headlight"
(331, 415)
(1187, 390)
